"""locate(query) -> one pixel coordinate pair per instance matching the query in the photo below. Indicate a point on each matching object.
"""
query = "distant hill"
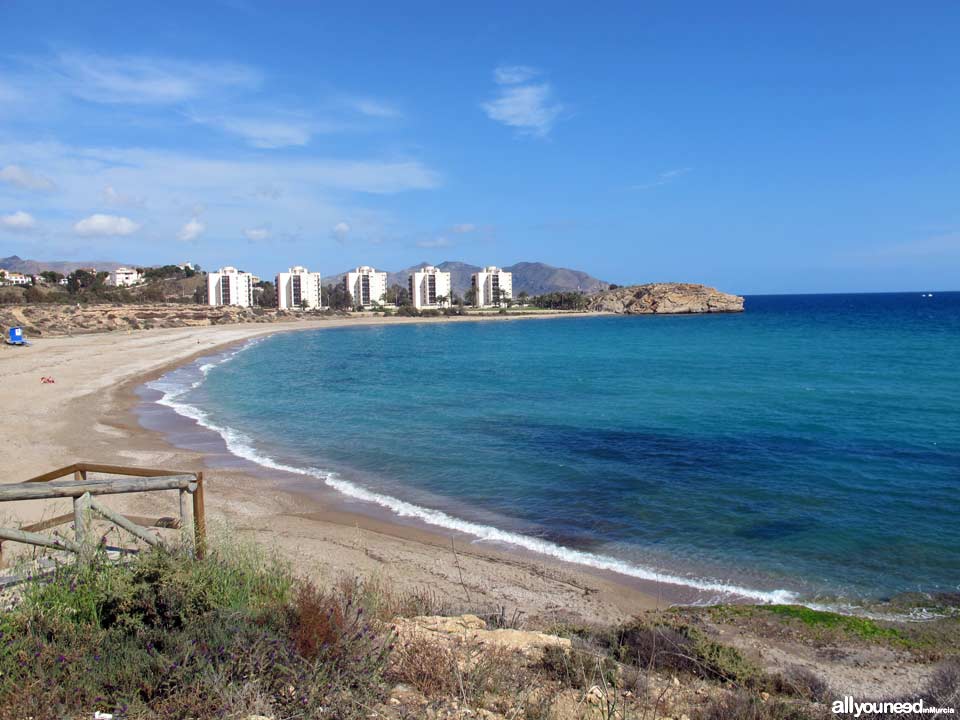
(533, 278)
(32, 267)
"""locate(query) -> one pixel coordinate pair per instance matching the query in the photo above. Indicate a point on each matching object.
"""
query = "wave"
(241, 445)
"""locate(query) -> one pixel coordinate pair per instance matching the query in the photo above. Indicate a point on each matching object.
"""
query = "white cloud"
(514, 74)
(105, 226)
(463, 228)
(19, 221)
(528, 107)
(191, 231)
(21, 177)
(440, 242)
(149, 80)
(112, 197)
(374, 108)
(230, 194)
(663, 179)
(257, 234)
(340, 231)
(265, 133)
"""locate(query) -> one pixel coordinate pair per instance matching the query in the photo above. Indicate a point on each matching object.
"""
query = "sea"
(806, 450)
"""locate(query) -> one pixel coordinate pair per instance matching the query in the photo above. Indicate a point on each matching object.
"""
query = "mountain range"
(65, 267)
(533, 278)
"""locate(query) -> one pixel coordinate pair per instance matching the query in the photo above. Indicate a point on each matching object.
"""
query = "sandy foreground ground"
(87, 415)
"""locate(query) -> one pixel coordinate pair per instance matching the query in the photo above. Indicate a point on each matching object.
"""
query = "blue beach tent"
(16, 336)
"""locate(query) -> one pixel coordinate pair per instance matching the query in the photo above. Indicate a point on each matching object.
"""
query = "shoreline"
(101, 424)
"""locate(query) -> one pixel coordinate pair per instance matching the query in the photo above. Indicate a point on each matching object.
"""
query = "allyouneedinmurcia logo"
(848, 706)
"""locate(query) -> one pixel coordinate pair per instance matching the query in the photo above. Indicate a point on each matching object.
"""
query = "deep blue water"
(809, 445)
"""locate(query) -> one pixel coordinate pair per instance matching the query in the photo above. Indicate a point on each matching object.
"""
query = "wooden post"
(81, 520)
(199, 520)
(186, 525)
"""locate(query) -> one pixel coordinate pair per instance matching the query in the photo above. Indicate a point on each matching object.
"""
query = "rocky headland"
(665, 298)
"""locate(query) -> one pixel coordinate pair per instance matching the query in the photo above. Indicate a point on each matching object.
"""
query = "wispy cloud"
(514, 74)
(373, 108)
(226, 194)
(463, 228)
(26, 179)
(100, 225)
(112, 197)
(663, 178)
(18, 222)
(527, 106)
(149, 80)
(439, 242)
(267, 133)
(258, 234)
(191, 230)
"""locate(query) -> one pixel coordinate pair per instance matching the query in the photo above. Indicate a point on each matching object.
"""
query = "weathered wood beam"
(109, 486)
(106, 469)
(30, 538)
(118, 519)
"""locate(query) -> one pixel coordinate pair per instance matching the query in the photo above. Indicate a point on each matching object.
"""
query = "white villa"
(15, 278)
(491, 285)
(427, 285)
(366, 286)
(229, 286)
(124, 277)
(298, 289)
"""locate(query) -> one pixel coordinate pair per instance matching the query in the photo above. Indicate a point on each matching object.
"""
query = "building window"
(432, 289)
(224, 289)
(297, 294)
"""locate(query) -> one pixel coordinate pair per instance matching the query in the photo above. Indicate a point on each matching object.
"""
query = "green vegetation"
(560, 301)
(858, 626)
(164, 636)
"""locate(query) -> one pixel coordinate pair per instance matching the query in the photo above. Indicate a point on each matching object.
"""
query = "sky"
(756, 147)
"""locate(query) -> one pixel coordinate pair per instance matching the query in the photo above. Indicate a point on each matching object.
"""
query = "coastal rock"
(665, 298)
(473, 630)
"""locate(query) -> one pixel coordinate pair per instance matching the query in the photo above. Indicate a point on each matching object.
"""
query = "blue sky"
(752, 146)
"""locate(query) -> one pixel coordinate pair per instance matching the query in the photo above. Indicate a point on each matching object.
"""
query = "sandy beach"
(87, 414)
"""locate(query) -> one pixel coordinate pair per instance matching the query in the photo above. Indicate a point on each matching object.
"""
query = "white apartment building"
(366, 286)
(124, 277)
(428, 284)
(491, 285)
(298, 289)
(229, 286)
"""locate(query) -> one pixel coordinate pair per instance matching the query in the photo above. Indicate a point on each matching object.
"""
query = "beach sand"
(87, 414)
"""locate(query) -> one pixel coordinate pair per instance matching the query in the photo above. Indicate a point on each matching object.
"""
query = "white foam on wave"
(241, 445)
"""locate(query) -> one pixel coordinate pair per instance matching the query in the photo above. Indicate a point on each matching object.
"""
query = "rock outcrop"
(665, 298)
(473, 630)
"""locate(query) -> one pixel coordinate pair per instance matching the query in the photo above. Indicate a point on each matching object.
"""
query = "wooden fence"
(83, 491)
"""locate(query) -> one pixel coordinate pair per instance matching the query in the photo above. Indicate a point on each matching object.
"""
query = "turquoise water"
(806, 449)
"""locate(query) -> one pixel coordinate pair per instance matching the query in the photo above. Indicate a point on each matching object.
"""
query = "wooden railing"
(83, 490)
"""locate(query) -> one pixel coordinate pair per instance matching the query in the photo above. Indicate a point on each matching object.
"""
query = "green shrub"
(164, 636)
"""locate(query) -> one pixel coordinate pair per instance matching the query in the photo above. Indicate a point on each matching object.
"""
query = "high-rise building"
(366, 286)
(429, 287)
(298, 289)
(229, 286)
(492, 286)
